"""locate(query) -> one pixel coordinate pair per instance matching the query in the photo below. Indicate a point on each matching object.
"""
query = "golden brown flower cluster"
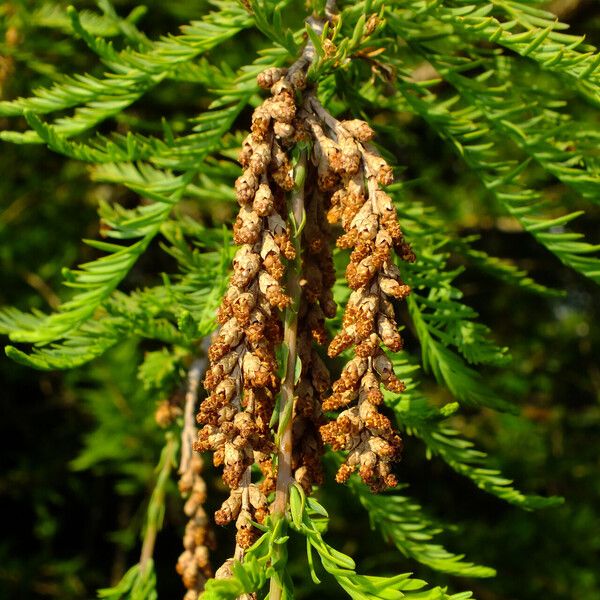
(351, 171)
(242, 378)
(277, 268)
(193, 564)
(316, 304)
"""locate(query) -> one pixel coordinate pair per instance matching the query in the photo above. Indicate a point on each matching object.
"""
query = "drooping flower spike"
(341, 185)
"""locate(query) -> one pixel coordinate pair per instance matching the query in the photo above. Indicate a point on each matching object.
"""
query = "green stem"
(156, 507)
(286, 404)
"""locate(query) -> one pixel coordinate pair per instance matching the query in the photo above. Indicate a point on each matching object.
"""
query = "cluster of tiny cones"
(342, 186)
(351, 173)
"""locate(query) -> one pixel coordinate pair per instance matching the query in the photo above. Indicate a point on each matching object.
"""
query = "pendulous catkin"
(316, 304)
(350, 172)
(342, 185)
(242, 379)
(193, 564)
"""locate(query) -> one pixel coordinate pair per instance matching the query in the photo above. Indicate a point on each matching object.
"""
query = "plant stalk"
(157, 501)
(188, 431)
(290, 335)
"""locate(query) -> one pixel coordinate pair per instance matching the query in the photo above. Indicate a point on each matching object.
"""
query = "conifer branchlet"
(341, 183)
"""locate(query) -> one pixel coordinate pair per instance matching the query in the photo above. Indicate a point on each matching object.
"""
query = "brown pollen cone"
(318, 277)
(193, 565)
(350, 172)
(242, 380)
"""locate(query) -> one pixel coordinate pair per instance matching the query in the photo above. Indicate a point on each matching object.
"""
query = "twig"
(157, 500)
(188, 435)
(188, 432)
(286, 404)
(309, 52)
(40, 286)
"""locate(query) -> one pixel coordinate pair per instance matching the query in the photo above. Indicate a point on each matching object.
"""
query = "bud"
(269, 77)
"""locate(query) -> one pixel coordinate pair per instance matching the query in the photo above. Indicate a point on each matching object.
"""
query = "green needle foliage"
(512, 98)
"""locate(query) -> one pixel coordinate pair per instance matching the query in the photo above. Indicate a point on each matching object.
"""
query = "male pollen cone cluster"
(193, 564)
(343, 175)
(351, 172)
(242, 379)
(316, 304)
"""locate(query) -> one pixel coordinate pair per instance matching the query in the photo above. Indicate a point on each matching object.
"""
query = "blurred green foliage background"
(70, 511)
